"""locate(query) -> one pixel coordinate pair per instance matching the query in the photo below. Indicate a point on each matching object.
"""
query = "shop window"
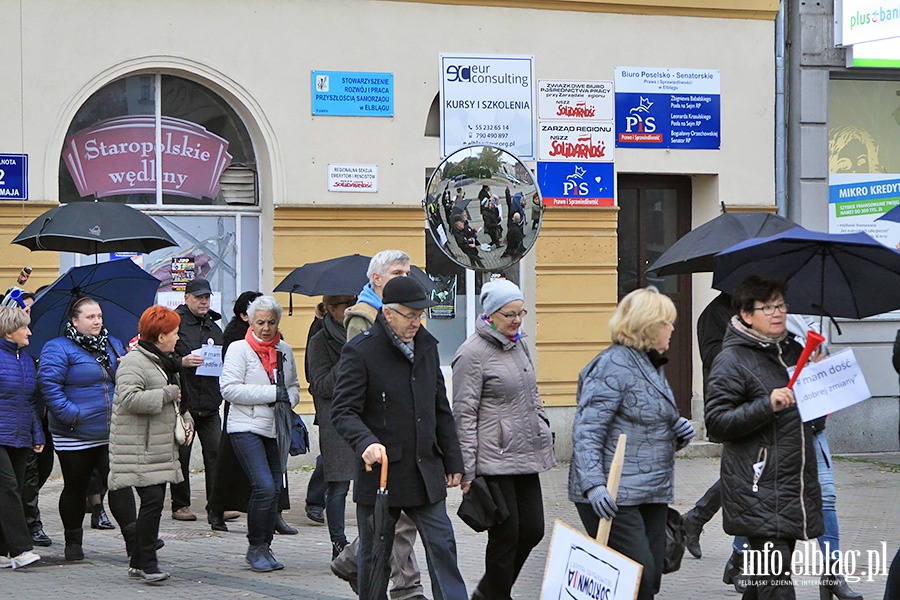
(158, 139)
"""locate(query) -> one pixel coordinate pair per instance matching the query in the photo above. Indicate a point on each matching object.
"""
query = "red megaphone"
(813, 340)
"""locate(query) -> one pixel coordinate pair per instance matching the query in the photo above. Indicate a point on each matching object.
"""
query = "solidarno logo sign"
(118, 156)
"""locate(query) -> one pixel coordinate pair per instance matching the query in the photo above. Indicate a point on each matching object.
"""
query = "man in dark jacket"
(770, 486)
(200, 396)
(389, 398)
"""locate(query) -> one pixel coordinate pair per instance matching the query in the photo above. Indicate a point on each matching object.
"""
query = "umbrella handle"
(384, 469)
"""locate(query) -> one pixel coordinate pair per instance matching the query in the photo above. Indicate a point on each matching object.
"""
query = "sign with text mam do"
(119, 156)
(488, 100)
(667, 108)
(13, 177)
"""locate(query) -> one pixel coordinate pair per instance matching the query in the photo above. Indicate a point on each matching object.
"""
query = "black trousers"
(14, 536)
(77, 466)
(37, 469)
(209, 430)
(638, 532)
(777, 585)
(708, 505)
(146, 528)
(510, 542)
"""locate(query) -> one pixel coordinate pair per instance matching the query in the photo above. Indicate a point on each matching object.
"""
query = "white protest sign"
(579, 568)
(829, 385)
(212, 360)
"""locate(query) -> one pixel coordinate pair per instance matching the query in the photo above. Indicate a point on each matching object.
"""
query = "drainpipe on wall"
(780, 119)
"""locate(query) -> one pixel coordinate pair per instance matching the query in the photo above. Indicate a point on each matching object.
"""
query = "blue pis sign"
(577, 183)
(352, 94)
(13, 177)
(679, 121)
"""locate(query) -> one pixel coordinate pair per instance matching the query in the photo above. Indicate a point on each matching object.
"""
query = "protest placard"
(830, 385)
(212, 360)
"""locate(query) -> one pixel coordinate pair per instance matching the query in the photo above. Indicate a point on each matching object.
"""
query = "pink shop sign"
(118, 157)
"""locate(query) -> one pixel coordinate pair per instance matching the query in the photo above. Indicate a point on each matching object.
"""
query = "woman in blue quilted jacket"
(77, 375)
(20, 431)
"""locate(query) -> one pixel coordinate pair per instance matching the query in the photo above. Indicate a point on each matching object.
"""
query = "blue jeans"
(335, 507)
(317, 488)
(437, 536)
(258, 456)
(829, 495)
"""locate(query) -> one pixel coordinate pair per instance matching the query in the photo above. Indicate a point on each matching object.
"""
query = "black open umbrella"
(94, 227)
(376, 587)
(694, 252)
(342, 276)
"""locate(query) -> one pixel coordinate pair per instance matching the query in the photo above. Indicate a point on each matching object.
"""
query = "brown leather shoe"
(231, 515)
(184, 514)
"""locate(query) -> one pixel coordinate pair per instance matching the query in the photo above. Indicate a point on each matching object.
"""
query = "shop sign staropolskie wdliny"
(118, 156)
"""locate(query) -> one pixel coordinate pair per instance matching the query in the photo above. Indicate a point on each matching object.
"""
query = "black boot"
(99, 519)
(836, 586)
(216, 521)
(692, 531)
(282, 527)
(733, 574)
(74, 550)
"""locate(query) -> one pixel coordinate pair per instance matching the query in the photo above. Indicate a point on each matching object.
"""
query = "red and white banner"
(118, 157)
(566, 141)
(575, 100)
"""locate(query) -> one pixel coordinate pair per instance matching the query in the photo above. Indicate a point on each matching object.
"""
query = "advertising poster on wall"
(864, 159)
(444, 293)
(182, 272)
(352, 94)
(667, 108)
(488, 100)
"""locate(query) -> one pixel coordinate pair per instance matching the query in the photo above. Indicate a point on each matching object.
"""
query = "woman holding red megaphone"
(770, 490)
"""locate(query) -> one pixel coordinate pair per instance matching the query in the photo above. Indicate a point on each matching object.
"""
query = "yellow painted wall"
(310, 234)
(14, 217)
(575, 295)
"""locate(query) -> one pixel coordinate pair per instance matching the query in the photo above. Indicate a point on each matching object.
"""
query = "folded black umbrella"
(483, 505)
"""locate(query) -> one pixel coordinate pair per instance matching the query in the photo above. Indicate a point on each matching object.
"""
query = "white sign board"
(488, 100)
(212, 360)
(858, 21)
(829, 385)
(579, 568)
(575, 100)
(352, 178)
(567, 141)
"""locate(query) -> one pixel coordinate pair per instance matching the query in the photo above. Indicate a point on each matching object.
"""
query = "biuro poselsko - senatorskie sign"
(13, 177)
(667, 108)
(119, 156)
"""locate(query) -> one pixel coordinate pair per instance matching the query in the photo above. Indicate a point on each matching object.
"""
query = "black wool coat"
(784, 500)
(199, 394)
(381, 397)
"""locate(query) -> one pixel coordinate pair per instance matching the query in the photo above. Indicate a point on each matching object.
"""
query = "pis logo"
(639, 119)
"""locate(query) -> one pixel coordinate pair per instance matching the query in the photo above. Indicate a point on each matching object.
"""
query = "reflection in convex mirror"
(484, 208)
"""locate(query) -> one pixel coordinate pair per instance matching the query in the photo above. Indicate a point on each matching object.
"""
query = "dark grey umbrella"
(694, 252)
(376, 587)
(284, 417)
(94, 227)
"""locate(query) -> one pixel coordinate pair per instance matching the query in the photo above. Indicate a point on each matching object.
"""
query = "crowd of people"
(128, 419)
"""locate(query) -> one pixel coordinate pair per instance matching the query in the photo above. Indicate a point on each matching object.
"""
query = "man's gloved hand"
(602, 502)
(281, 394)
(684, 431)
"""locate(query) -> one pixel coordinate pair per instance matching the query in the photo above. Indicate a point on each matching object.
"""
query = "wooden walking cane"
(612, 486)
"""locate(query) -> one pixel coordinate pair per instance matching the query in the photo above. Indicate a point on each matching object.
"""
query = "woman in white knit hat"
(503, 431)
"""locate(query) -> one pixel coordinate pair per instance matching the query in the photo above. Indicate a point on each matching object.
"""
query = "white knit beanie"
(497, 294)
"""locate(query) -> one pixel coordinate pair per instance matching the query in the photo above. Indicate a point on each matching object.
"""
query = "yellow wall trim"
(14, 217)
(733, 9)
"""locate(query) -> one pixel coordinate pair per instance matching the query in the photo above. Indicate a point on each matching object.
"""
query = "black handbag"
(674, 541)
(483, 506)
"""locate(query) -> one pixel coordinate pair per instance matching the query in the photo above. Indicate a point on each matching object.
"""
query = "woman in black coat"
(770, 487)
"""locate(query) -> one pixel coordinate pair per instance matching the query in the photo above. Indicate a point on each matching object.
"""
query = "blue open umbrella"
(848, 275)
(122, 289)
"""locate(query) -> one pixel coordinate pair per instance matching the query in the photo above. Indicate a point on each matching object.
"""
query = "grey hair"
(12, 318)
(384, 259)
(264, 303)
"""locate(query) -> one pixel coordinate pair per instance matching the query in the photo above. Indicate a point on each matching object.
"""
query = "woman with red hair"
(143, 452)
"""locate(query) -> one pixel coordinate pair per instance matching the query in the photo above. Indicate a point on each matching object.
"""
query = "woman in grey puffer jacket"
(503, 432)
(624, 390)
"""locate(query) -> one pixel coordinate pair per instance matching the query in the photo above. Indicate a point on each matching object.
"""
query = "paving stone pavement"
(206, 564)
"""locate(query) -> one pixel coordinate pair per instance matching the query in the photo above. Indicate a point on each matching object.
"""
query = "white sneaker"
(24, 559)
(5, 562)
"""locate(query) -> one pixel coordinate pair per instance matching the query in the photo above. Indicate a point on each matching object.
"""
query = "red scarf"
(266, 351)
